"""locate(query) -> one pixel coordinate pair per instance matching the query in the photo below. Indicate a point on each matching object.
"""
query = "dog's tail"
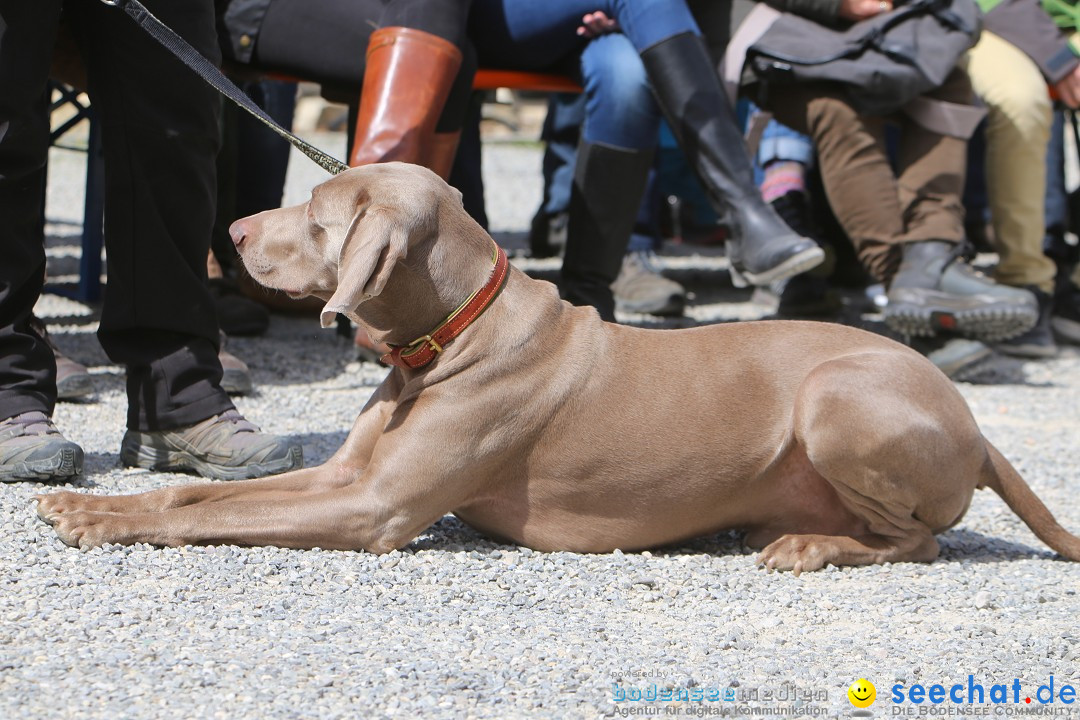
(1001, 477)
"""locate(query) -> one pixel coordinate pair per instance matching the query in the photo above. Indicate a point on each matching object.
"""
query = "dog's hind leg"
(803, 553)
(899, 448)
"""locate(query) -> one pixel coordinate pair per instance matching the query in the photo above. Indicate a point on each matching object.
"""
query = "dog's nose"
(238, 231)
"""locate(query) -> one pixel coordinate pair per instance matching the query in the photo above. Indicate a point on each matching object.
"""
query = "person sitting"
(405, 64)
(1020, 52)
(657, 48)
(907, 226)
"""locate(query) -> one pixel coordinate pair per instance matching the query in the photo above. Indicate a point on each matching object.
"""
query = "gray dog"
(533, 421)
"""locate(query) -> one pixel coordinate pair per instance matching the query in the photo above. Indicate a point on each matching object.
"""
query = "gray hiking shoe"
(936, 290)
(640, 288)
(223, 447)
(32, 449)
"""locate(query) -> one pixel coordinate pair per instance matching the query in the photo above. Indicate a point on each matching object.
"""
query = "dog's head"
(344, 243)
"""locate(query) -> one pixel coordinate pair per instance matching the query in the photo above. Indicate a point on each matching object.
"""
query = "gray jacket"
(239, 21)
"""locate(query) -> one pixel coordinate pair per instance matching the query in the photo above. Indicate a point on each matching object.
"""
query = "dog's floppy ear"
(377, 239)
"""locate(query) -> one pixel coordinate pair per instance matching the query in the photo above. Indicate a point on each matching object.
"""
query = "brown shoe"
(72, 378)
(235, 374)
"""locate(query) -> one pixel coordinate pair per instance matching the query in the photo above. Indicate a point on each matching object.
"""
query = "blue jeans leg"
(527, 34)
(620, 109)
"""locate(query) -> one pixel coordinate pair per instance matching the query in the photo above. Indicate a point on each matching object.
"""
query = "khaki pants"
(881, 210)
(1017, 131)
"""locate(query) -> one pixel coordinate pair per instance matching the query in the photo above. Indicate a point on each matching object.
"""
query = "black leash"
(212, 75)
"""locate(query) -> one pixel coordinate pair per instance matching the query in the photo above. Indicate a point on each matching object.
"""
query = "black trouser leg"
(161, 137)
(27, 367)
(608, 183)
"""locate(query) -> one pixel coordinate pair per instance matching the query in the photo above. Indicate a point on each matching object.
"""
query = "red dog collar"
(426, 348)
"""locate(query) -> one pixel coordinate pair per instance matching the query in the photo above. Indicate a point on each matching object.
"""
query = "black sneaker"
(1038, 342)
(32, 449)
(936, 290)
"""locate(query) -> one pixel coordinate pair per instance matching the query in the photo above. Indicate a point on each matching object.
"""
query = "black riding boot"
(763, 249)
(608, 185)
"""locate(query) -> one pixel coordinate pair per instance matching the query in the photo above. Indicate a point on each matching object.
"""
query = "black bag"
(884, 61)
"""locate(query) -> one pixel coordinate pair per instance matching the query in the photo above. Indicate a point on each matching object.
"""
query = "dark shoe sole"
(988, 323)
(799, 263)
(64, 465)
(134, 453)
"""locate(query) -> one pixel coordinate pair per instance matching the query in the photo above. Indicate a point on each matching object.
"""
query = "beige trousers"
(1018, 129)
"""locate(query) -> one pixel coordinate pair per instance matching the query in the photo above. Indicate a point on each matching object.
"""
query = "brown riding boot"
(407, 80)
(441, 153)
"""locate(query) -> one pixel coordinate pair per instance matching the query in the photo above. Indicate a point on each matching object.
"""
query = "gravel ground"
(456, 625)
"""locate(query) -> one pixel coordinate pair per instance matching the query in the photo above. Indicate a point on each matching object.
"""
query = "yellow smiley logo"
(862, 693)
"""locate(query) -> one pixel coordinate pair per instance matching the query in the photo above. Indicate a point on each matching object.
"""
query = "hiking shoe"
(640, 288)
(1065, 316)
(936, 290)
(72, 378)
(31, 448)
(223, 447)
(1038, 342)
(235, 374)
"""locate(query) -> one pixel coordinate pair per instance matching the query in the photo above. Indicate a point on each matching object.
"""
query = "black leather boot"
(608, 185)
(763, 249)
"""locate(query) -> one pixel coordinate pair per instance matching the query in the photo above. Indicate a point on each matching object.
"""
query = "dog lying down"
(535, 422)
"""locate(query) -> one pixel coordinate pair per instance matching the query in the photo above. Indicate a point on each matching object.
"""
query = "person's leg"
(1017, 133)
(1065, 317)
(784, 157)
(858, 179)
(561, 134)
(161, 137)
(161, 134)
(416, 78)
(622, 117)
(916, 219)
(923, 296)
(30, 446)
(532, 35)
(613, 160)
(27, 370)
(414, 66)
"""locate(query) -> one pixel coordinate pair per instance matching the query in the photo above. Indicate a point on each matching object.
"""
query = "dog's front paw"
(51, 506)
(86, 529)
(798, 553)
